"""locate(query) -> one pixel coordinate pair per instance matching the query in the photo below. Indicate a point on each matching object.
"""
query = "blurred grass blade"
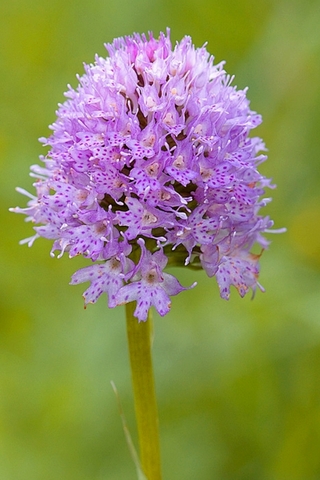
(133, 452)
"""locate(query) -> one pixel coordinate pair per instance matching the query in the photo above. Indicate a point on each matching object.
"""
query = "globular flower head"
(152, 153)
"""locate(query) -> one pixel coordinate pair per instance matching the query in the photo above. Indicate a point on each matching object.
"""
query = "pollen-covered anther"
(81, 195)
(179, 162)
(149, 141)
(115, 264)
(100, 228)
(164, 195)
(198, 129)
(153, 169)
(169, 119)
(206, 173)
(152, 276)
(148, 218)
(150, 102)
(118, 183)
(115, 157)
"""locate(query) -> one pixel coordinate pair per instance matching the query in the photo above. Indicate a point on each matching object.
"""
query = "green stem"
(139, 340)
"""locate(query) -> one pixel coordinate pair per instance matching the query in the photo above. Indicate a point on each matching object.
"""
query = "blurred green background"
(238, 382)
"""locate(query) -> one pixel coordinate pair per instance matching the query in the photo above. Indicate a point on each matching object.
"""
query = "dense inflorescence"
(151, 163)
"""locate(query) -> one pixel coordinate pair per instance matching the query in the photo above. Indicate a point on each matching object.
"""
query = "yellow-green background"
(238, 382)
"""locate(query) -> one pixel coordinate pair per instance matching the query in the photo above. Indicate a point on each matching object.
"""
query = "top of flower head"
(151, 153)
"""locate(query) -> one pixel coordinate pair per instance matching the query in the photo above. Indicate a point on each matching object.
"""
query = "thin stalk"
(139, 340)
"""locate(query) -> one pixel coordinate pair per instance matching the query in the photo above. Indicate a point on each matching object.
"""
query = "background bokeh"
(238, 382)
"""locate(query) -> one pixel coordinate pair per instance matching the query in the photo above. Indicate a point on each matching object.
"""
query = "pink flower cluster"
(151, 163)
